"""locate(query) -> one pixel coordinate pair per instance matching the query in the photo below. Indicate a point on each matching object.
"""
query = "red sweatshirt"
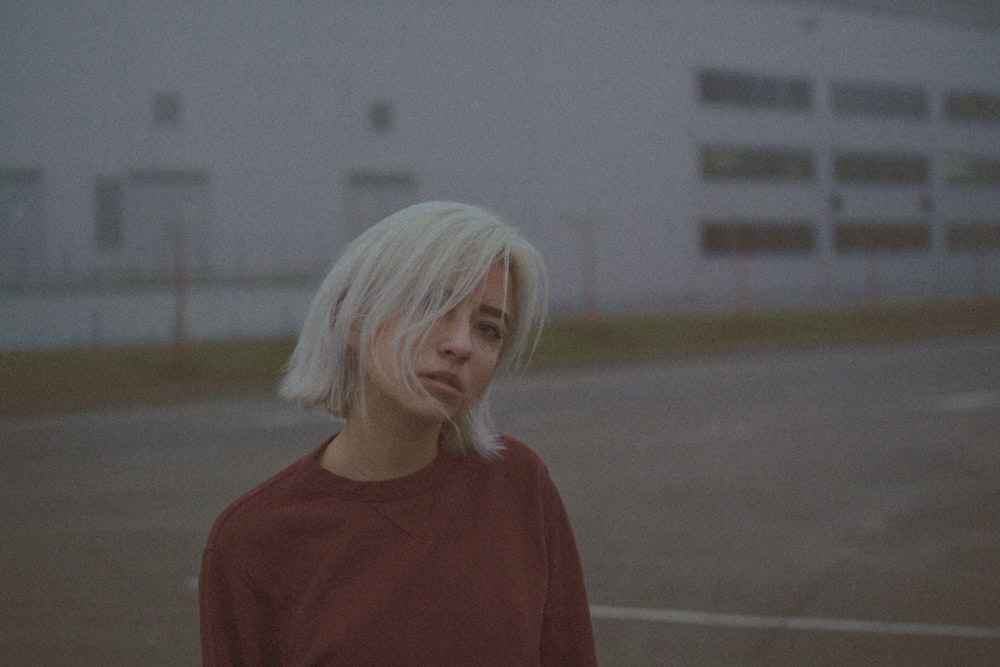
(466, 562)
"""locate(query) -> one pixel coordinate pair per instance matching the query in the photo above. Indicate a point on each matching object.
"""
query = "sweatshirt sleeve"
(236, 627)
(567, 635)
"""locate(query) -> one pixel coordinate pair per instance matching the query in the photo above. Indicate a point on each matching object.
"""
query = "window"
(726, 237)
(380, 116)
(974, 235)
(885, 169)
(166, 108)
(750, 90)
(166, 220)
(881, 235)
(108, 213)
(969, 171)
(973, 107)
(872, 99)
(769, 164)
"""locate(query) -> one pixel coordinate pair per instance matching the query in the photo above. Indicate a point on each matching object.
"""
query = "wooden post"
(182, 347)
(979, 269)
(591, 314)
(743, 303)
(874, 280)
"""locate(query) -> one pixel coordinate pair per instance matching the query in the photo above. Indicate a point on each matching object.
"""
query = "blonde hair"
(395, 273)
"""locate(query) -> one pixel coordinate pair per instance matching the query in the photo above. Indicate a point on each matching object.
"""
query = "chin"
(436, 412)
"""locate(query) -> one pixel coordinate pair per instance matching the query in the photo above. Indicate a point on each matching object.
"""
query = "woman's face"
(453, 363)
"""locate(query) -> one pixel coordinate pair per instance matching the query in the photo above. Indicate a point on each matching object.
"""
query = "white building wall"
(550, 113)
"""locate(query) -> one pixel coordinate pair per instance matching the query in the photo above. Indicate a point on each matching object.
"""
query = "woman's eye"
(492, 330)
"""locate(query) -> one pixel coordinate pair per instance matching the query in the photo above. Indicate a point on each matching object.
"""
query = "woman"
(415, 536)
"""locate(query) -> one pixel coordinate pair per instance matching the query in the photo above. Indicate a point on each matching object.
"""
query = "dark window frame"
(973, 235)
(880, 168)
(166, 109)
(972, 171)
(863, 98)
(741, 89)
(380, 116)
(770, 164)
(723, 237)
(969, 106)
(881, 236)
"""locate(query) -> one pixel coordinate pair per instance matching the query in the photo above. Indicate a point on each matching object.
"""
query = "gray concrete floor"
(834, 506)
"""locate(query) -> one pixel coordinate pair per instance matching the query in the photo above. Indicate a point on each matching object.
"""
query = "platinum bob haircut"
(410, 270)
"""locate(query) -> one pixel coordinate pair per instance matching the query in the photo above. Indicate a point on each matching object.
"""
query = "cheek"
(486, 367)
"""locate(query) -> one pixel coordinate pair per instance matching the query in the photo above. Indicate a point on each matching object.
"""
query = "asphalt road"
(834, 506)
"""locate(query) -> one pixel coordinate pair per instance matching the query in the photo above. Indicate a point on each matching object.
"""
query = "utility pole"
(182, 346)
(587, 226)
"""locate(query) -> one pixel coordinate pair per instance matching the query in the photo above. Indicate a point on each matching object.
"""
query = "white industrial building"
(662, 154)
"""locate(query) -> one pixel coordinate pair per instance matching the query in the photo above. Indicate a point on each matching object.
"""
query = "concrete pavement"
(816, 506)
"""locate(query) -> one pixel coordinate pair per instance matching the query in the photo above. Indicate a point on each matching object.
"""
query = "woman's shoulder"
(520, 459)
(519, 451)
(520, 470)
(269, 496)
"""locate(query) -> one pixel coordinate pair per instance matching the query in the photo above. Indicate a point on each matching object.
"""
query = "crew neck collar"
(321, 479)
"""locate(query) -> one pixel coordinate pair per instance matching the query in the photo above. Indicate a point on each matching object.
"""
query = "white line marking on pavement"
(791, 622)
(965, 402)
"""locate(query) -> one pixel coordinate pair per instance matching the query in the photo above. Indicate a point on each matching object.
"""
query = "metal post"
(744, 305)
(182, 346)
(874, 280)
(591, 314)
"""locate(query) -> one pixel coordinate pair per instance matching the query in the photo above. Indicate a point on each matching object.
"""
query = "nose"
(454, 337)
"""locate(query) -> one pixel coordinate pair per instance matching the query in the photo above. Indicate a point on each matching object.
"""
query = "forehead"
(492, 292)
(494, 288)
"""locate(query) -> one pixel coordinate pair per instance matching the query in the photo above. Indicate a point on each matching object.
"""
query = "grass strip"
(54, 381)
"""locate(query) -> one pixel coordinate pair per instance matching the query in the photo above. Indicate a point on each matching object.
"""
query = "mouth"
(442, 382)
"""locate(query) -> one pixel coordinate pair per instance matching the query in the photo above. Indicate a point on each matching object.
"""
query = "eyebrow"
(495, 312)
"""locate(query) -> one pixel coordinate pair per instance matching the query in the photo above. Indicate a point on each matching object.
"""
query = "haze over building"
(712, 153)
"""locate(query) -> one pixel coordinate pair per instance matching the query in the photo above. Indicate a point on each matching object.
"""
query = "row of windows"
(791, 164)
(848, 98)
(729, 237)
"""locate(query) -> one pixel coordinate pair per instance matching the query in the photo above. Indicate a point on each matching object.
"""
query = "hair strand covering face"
(409, 270)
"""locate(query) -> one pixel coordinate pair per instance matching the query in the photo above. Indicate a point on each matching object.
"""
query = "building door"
(22, 233)
(166, 221)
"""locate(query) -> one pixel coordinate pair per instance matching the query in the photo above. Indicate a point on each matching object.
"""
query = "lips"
(443, 381)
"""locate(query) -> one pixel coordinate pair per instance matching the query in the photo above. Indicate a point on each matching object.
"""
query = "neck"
(380, 449)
